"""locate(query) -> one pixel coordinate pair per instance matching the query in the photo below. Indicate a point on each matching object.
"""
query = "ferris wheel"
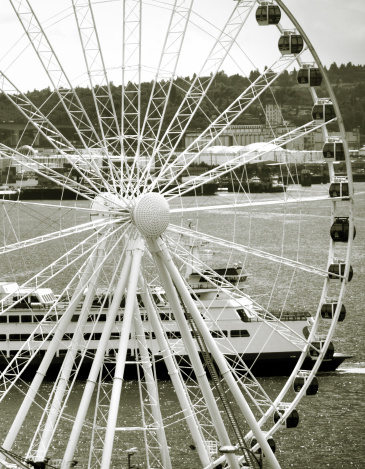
(147, 259)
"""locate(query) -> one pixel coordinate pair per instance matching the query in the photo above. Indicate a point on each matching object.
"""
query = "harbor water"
(331, 431)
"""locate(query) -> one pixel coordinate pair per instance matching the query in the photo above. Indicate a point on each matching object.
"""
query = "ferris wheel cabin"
(290, 43)
(267, 14)
(333, 150)
(309, 76)
(328, 311)
(323, 111)
(340, 230)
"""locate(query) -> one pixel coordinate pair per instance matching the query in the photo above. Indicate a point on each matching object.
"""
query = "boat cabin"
(12, 295)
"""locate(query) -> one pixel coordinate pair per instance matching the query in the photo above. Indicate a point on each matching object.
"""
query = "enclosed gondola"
(309, 76)
(270, 440)
(339, 188)
(267, 14)
(290, 43)
(333, 150)
(317, 347)
(337, 270)
(301, 379)
(290, 421)
(328, 311)
(323, 111)
(340, 230)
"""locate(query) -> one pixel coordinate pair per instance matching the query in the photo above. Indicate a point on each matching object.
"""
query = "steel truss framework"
(129, 236)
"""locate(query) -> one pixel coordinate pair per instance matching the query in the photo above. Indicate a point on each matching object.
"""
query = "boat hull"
(267, 364)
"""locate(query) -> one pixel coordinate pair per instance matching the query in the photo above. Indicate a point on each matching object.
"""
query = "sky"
(336, 29)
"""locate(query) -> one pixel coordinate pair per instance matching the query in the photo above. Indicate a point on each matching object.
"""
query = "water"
(331, 431)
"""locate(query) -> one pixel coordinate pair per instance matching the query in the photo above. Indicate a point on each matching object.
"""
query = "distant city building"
(274, 116)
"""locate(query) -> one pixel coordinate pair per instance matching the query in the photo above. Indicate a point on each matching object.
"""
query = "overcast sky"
(336, 28)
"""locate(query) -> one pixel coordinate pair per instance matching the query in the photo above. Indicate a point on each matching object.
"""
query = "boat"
(9, 193)
(235, 321)
(255, 185)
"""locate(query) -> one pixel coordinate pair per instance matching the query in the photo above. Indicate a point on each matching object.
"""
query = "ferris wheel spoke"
(287, 200)
(69, 361)
(55, 72)
(58, 334)
(9, 377)
(104, 103)
(234, 110)
(201, 84)
(219, 283)
(246, 157)
(77, 252)
(41, 122)
(58, 206)
(248, 250)
(164, 78)
(56, 235)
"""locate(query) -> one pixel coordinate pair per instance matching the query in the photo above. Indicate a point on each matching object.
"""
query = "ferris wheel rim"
(133, 186)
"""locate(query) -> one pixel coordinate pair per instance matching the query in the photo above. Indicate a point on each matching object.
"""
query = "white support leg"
(97, 364)
(48, 357)
(152, 390)
(221, 362)
(122, 352)
(176, 378)
(69, 361)
(196, 362)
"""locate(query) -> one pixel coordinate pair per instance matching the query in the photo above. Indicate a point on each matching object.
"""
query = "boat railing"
(283, 316)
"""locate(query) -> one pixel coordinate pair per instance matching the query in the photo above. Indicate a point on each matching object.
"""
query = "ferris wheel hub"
(151, 215)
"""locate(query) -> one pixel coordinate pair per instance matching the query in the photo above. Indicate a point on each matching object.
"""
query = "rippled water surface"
(331, 432)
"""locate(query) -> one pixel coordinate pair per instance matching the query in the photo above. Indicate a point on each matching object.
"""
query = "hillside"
(348, 82)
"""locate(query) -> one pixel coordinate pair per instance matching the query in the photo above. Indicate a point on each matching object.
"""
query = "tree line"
(348, 82)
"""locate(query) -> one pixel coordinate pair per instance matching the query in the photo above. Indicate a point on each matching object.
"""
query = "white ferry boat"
(235, 321)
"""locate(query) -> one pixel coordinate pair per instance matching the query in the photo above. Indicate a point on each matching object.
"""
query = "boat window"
(102, 318)
(34, 299)
(96, 336)
(240, 333)
(219, 334)
(14, 318)
(87, 336)
(115, 335)
(2, 337)
(243, 315)
(3, 318)
(17, 337)
(140, 301)
(75, 318)
(150, 335)
(22, 303)
(39, 317)
(26, 318)
(174, 335)
(164, 316)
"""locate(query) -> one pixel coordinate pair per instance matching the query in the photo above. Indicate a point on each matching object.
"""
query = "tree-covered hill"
(348, 82)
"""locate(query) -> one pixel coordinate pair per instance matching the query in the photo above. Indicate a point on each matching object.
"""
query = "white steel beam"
(217, 355)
